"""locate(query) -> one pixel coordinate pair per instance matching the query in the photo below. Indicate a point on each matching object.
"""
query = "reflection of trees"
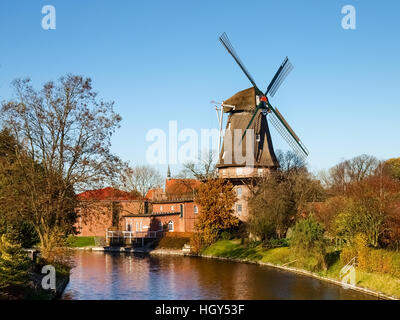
(120, 276)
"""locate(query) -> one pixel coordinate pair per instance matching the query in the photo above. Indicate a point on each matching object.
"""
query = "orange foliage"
(216, 198)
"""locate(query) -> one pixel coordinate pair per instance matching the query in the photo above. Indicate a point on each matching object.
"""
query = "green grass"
(384, 283)
(233, 249)
(78, 242)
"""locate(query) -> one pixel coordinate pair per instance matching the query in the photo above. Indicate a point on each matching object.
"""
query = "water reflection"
(99, 275)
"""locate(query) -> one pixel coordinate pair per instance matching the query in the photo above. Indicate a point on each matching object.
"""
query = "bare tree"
(290, 161)
(350, 171)
(141, 179)
(63, 134)
(202, 169)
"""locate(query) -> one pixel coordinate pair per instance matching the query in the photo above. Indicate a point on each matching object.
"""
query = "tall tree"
(279, 197)
(63, 132)
(216, 198)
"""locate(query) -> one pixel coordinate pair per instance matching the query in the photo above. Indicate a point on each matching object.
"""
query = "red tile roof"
(181, 186)
(152, 192)
(108, 193)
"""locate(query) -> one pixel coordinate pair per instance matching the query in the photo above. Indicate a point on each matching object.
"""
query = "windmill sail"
(228, 46)
(280, 75)
(281, 125)
(251, 106)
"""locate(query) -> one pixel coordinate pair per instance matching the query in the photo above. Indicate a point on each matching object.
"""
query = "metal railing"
(351, 264)
(134, 234)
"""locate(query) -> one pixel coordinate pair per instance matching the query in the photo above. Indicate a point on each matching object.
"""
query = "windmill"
(251, 110)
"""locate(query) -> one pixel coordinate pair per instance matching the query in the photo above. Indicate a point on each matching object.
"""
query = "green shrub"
(309, 244)
(20, 231)
(14, 264)
(172, 243)
(254, 244)
(370, 259)
(225, 235)
(275, 243)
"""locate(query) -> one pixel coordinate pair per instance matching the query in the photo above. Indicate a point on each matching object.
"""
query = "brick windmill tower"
(247, 152)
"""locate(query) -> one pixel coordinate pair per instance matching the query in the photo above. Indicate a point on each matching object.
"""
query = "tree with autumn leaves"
(59, 144)
(216, 198)
(364, 197)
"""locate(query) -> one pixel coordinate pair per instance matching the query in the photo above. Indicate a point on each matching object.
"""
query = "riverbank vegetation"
(350, 215)
(386, 283)
(54, 142)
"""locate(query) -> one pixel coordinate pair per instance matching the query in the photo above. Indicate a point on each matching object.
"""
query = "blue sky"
(161, 61)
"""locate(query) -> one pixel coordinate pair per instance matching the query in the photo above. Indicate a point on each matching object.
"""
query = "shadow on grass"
(332, 257)
(242, 253)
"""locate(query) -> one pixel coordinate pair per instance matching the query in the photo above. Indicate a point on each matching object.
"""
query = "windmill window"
(239, 191)
(195, 209)
(260, 172)
(160, 208)
(172, 208)
(171, 226)
(258, 137)
(238, 208)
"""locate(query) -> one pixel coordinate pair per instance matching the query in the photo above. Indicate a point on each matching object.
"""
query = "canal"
(113, 276)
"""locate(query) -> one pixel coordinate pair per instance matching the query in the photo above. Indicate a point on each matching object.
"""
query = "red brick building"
(169, 210)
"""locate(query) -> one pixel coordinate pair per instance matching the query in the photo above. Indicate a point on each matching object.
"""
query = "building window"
(260, 172)
(195, 209)
(128, 227)
(239, 191)
(160, 226)
(238, 208)
(172, 208)
(170, 226)
(160, 208)
(239, 171)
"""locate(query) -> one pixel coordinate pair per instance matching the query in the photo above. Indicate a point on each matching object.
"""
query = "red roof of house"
(108, 193)
(181, 186)
(151, 193)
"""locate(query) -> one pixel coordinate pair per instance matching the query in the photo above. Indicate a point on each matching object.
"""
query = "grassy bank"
(79, 242)
(284, 256)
